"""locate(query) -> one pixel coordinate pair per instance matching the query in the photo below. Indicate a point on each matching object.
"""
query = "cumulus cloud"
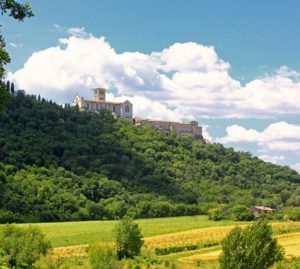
(278, 143)
(296, 166)
(279, 136)
(185, 80)
(271, 159)
(274, 132)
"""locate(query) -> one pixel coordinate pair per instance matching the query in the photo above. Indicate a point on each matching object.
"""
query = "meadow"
(85, 232)
(70, 239)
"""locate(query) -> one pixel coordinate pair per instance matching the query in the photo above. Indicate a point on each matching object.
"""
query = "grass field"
(71, 238)
(85, 232)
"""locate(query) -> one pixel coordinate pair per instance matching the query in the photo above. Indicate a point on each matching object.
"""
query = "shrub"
(293, 213)
(128, 238)
(218, 213)
(102, 256)
(242, 213)
(22, 247)
(250, 248)
(174, 249)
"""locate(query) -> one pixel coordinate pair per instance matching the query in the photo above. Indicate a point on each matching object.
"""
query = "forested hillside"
(61, 164)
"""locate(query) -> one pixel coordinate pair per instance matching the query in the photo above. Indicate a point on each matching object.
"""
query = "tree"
(242, 213)
(22, 247)
(8, 86)
(19, 12)
(12, 88)
(128, 238)
(251, 248)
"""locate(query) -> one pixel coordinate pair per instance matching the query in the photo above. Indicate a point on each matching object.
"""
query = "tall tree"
(19, 12)
(8, 86)
(12, 88)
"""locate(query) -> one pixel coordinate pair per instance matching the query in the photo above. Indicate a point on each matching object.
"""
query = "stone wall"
(179, 128)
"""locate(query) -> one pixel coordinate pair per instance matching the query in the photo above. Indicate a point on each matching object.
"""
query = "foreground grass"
(85, 232)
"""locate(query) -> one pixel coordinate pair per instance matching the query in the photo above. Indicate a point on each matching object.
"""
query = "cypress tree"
(12, 88)
(7, 86)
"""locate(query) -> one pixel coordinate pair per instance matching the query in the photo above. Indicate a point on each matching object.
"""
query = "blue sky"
(232, 65)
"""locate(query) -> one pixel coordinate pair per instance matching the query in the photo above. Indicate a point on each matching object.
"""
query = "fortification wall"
(180, 128)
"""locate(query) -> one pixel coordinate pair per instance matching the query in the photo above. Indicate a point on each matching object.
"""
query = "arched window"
(127, 109)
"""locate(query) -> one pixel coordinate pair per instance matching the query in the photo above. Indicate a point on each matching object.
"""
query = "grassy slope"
(76, 233)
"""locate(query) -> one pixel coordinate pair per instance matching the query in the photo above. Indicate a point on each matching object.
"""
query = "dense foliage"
(62, 164)
(129, 239)
(251, 248)
(21, 247)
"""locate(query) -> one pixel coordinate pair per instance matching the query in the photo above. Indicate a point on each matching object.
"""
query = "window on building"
(127, 109)
(114, 108)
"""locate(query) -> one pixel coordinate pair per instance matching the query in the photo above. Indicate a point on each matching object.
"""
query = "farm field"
(85, 232)
(288, 234)
(70, 239)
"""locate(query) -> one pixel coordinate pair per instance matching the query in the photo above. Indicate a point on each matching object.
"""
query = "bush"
(293, 213)
(102, 256)
(250, 248)
(242, 213)
(22, 247)
(174, 249)
(218, 213)
(128, 238)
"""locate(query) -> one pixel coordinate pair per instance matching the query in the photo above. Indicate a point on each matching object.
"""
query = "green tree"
(242, 213)
(251, 248)
(22, 247)
(128, 238)
(19, 12)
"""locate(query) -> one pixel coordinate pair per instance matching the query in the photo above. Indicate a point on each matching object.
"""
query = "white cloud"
(206, 134)
(296, 166)
(274, 132)
(271, 159)
(280, 141)
(14, 45)
(189, 77)
(78, 32)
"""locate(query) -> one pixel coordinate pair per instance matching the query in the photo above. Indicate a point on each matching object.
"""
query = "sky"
(231, 65)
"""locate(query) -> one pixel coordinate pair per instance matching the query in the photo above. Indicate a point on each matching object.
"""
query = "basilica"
(119, 109)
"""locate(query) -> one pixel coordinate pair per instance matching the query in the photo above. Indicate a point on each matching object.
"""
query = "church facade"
(119, 109)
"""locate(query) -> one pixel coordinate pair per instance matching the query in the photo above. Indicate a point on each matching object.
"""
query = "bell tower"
(99, 94)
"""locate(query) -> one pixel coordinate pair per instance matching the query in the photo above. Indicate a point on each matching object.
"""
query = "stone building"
(120, 109)
(180, 128)
(258, 210)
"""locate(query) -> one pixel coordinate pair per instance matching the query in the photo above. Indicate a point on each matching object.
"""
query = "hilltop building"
(120, 109)
(180, 128)
(124, 110)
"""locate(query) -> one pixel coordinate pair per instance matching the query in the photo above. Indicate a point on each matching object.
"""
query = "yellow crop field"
(198, 236)
(290, 242)
(289, 239)
(79, 250)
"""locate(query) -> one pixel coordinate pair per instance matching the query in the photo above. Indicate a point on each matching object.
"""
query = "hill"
(61, 164)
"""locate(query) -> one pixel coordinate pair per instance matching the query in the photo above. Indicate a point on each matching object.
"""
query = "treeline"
(62, 164)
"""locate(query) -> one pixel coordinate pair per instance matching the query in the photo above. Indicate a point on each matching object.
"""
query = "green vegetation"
(78, 233)
(250, 248)
(103, 256)
(59, 164)
(128, 238)
(21, 247)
